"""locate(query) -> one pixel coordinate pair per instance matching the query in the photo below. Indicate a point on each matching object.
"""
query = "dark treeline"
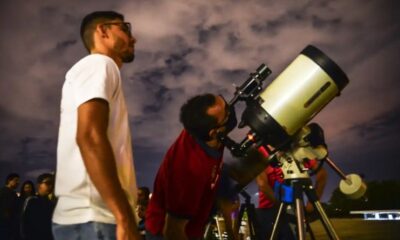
(380, 195)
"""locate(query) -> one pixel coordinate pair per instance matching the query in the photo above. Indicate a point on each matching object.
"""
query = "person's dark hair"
(143, 202)
(27, 182)
(90, 21)
(146, 192)
(194, 116)
(45, 176)
(11, 176)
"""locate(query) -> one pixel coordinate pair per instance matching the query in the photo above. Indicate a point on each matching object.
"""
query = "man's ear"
(213, 133)
(101, 29)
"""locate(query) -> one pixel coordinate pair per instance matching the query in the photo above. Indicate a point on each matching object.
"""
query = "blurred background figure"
(143, 197)
(8, 208)
(143, 194)
(38, 210)
(27, 190)
(141, 212)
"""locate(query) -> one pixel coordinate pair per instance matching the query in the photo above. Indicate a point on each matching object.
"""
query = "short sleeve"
(95, 78)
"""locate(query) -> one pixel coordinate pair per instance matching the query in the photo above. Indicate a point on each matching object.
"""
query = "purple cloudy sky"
(190, 47)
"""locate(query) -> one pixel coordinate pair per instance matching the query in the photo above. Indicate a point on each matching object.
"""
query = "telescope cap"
(328, 65)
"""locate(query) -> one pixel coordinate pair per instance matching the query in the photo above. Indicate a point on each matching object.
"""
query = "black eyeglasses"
(125, 26)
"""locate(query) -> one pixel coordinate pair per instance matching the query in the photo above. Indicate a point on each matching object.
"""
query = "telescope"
(304, 88)
(278, 118)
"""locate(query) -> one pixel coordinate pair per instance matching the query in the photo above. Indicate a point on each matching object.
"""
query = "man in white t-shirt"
(95, 178)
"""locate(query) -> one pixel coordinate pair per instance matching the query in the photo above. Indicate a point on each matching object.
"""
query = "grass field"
(359, 229)
(346, 229)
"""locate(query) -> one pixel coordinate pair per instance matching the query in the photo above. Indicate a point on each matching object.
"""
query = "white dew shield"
(305, 87)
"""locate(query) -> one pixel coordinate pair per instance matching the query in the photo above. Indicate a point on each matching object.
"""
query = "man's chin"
(128, 58)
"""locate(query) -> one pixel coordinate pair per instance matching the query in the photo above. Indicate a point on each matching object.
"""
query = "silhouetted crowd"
(26, 215)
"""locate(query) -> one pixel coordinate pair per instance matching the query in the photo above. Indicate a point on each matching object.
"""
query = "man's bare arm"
(263, 186)
(174, 228)
(100, 164)
(320, 181)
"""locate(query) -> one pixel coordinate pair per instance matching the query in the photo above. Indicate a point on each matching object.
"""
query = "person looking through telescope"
(186, 182)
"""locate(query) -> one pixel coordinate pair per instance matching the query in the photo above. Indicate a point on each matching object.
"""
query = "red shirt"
(275, 174)
(185, 186)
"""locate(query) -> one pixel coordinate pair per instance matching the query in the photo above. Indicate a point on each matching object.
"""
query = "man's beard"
(127, 57)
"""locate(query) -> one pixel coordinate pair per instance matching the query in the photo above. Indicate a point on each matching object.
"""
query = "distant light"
(379, 215)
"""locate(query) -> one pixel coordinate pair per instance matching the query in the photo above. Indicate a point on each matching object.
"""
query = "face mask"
(232, 121)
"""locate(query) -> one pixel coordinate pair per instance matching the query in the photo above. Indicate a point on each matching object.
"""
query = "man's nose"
(133, 39)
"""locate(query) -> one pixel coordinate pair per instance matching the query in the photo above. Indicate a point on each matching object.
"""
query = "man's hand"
(310, 213)
(309, 208)
(263, 186)
(174, 228)
(126, 231)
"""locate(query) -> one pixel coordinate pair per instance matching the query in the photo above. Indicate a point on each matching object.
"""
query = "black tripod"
(300, 186)
(251, 214)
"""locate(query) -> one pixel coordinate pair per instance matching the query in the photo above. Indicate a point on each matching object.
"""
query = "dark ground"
(359, 229)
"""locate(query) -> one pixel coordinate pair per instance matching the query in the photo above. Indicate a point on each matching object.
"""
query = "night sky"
(190, 47)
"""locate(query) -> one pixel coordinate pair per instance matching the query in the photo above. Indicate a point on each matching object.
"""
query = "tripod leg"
(325, 220)
(298, 195)
(218, 227)
(207, 231)
(300, 218)
(312, 196)
(240, 217)
(278, 218)
(251, 214)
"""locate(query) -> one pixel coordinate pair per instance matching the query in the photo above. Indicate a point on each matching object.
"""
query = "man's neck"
(116, 59)
(214, 143)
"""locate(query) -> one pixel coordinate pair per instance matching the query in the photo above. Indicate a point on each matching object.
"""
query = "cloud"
(190, 47)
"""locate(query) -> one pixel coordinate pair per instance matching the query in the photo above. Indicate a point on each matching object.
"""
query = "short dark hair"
(194, 116)
(45, 176)
(146, 191)
(11, 176)
(90, 21)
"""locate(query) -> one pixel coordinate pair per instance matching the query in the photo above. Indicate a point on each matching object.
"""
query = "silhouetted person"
(143, 197)
(141, 212)
(143, 194)
(27, 190)
(38, 210)
(8, 208)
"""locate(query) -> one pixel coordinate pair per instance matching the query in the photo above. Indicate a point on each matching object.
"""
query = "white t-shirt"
(94, 76)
